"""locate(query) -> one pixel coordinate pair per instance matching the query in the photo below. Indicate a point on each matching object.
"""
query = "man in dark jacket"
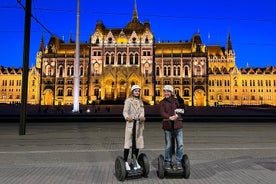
(167, 112)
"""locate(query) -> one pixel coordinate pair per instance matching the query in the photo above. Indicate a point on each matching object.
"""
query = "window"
(169, 71)
(157, 71)
(186, 92)
(60, 71)
(157, 92)
(107, 59)
(124, 58)
(136, 59)
(165, 71)
(198, 70)
(167, 82)
(186, 71)
(109, 40)
(69, 92)
(119, 59)
(60, 92)
(72, 71)
(68, 71)
(146, 40)
(112, 59)
(133, 40)
(81, 71)
(146, 92)
(131, 59)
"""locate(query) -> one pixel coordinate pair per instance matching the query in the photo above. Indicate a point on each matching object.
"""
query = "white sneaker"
(137, 166)
(127, 166)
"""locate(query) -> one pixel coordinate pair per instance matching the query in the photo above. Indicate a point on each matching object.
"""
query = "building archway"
(122, 90)
(199, 98)
(109, 89)
(48, 97)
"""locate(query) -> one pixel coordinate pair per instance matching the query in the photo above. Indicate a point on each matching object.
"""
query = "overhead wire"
(144, 15)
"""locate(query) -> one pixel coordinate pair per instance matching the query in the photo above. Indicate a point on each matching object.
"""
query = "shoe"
(137, 166)
(168, 166)
(178, 166)
(127, 166)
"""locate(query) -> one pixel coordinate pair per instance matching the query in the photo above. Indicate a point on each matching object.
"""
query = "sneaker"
(137, 166)
(178, 166)
(168, 166)
(127, 166)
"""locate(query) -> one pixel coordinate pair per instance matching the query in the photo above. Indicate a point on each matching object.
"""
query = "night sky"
(252, 24)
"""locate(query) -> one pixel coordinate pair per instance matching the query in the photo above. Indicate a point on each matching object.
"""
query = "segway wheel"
(186, 166)
(120, 168)
(161, 170)
(144, 163)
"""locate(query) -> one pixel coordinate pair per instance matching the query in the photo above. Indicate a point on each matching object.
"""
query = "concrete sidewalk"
(84, 153)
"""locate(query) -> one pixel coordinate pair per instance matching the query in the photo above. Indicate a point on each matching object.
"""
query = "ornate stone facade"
(115, 59)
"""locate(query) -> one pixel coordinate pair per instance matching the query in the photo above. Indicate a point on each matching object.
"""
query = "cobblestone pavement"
(82, 153)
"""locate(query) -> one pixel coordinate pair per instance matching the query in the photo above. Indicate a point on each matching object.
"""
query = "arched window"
(119, 59)
(174, 70)
(146, 40)
(131, 59)
(72, 70)
(124, 58)
(107, 59)
(60, 71)
(136, 59)
(81, 71)
(112, 59)
(68, 71)
(169, 71)
(48, 70)
(157, 71)
(69, 92)
(186, 71)
(165, 71)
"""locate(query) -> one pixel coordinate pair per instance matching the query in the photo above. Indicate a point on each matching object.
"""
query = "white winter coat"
(134, 108)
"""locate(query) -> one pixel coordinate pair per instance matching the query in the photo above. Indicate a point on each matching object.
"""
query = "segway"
(185, 170)
(120, 167)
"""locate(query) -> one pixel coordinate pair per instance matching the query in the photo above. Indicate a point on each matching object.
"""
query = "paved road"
(82, 153)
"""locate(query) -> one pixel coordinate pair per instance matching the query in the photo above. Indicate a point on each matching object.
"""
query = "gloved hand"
(142, 118)
(173, 117)
(129, 119)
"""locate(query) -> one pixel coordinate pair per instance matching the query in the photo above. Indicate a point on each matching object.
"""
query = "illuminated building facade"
(11, 84)
(116, 58)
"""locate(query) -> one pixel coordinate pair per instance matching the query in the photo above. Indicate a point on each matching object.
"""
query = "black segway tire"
(120, 168)
(143, 161)
(186, 166)
(161, 169)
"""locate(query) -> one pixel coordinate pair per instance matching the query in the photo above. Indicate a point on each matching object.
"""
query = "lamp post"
(24, 92)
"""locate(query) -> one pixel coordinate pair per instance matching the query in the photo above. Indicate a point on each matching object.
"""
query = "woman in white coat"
(133, 109)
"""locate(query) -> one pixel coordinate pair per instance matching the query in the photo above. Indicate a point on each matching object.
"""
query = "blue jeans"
(179, 145)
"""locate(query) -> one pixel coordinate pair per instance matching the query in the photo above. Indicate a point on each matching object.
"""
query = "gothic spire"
(135, 14)
(229, 43)
(41, 48)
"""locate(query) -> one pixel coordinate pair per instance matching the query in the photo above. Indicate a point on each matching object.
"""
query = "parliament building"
(115, 59)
